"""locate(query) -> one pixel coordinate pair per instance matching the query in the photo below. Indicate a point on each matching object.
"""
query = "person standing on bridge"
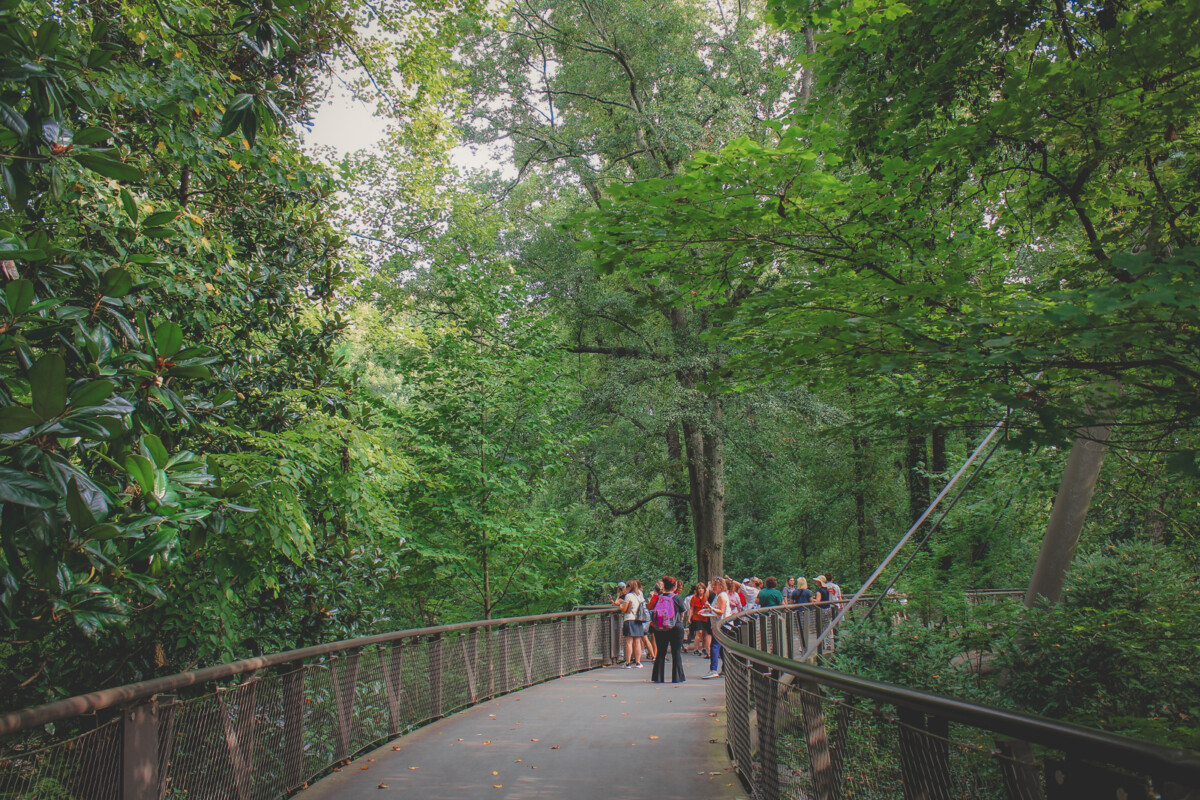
(718, 608)
(666, 622)
(770, 594)
(700, 625)
(632, 629)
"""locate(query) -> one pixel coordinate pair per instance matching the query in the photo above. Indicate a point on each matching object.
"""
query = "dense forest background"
(740, 287)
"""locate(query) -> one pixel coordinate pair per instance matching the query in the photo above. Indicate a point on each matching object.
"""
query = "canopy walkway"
(520, 708)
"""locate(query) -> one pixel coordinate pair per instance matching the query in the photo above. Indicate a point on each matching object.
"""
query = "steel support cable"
(813, 646)
(879, 598)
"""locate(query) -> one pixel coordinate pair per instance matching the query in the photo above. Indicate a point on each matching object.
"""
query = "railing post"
(504, 665)
(140, 776)
(239, 736)
(558, 644)
(293, 728)
(581, 646)
(924, 756)
(343, 698)
(789, 624)
(435, 676)
(826, 780)
(766, 706)
(391, 664)
(1019, 770)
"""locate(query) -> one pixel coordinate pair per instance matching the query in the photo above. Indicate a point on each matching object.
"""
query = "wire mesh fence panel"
(86, 767)
(264, 727)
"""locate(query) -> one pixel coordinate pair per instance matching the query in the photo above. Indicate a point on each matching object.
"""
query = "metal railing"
(799, 731)
(263, 727)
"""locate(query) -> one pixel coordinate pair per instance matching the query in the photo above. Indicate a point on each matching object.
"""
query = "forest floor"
(606, 733)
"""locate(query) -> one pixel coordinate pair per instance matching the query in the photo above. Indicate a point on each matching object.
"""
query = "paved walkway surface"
(607, 733)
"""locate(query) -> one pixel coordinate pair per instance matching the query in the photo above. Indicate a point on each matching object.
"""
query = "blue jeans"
(713, 653)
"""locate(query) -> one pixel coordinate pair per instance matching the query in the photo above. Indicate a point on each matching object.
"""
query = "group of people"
(668, 616)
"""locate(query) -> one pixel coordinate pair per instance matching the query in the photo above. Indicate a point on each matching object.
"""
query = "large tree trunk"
(705, 487)
(1070, 510)
(673, 479)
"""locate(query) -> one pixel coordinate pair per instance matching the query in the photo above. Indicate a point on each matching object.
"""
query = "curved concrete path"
(607, 733)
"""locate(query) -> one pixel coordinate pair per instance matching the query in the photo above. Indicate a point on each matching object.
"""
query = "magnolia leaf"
(109, 167)
(17, 418)
(168, 339)
(141, 469)
(91, 394)
(19, 296)
(48, 382)
(130, 206)
(156, 449)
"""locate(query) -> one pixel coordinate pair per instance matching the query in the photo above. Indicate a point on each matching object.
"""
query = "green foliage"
(1121, 651)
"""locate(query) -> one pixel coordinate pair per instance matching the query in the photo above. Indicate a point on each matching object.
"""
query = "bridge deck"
(608, 733)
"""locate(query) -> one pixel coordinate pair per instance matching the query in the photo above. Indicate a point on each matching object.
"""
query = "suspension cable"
(811, 650)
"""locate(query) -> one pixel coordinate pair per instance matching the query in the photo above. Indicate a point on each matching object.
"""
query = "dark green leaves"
(11, 119)
(116, 282)
(48, 383)
(109, 167)
(168, 339)
(19, 296)
(240, 114)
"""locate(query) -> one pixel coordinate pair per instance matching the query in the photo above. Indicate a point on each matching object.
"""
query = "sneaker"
(712, 675)
(638, 665)
(627, 665)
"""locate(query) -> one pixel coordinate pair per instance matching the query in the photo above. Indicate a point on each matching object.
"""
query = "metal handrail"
(16, 721)
(1094, 745)
(287, 717)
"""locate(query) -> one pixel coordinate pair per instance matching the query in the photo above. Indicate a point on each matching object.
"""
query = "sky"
(345, 123)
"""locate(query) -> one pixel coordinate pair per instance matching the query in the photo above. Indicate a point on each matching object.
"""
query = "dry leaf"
(653, 737)
(366, 766)
(414, 767)
(518, 761)
(370, 759)
(397, 747)
(602, 716)
(488, 741)
(383, 786)
(497, 786)
(535, 740)
(712, 715)
(555, 747)
(459, 740)
(494, 772)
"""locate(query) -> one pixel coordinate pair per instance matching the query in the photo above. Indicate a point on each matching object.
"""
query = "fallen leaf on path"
(459, 740)
(497, 786)
(712, 715)
(555, 747)
(518, 761)
(494, 772)
(366, 766)
(653, 737)
(397, 747)
(383, 786)
(414, 767)
(488, 741)
(602, 716)
(535, 740)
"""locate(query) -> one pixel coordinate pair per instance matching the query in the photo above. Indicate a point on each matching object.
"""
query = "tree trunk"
(862, 520)
(672, 480)
(938, 457)
(712, 546)
(1067, 517)
(915, 464)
